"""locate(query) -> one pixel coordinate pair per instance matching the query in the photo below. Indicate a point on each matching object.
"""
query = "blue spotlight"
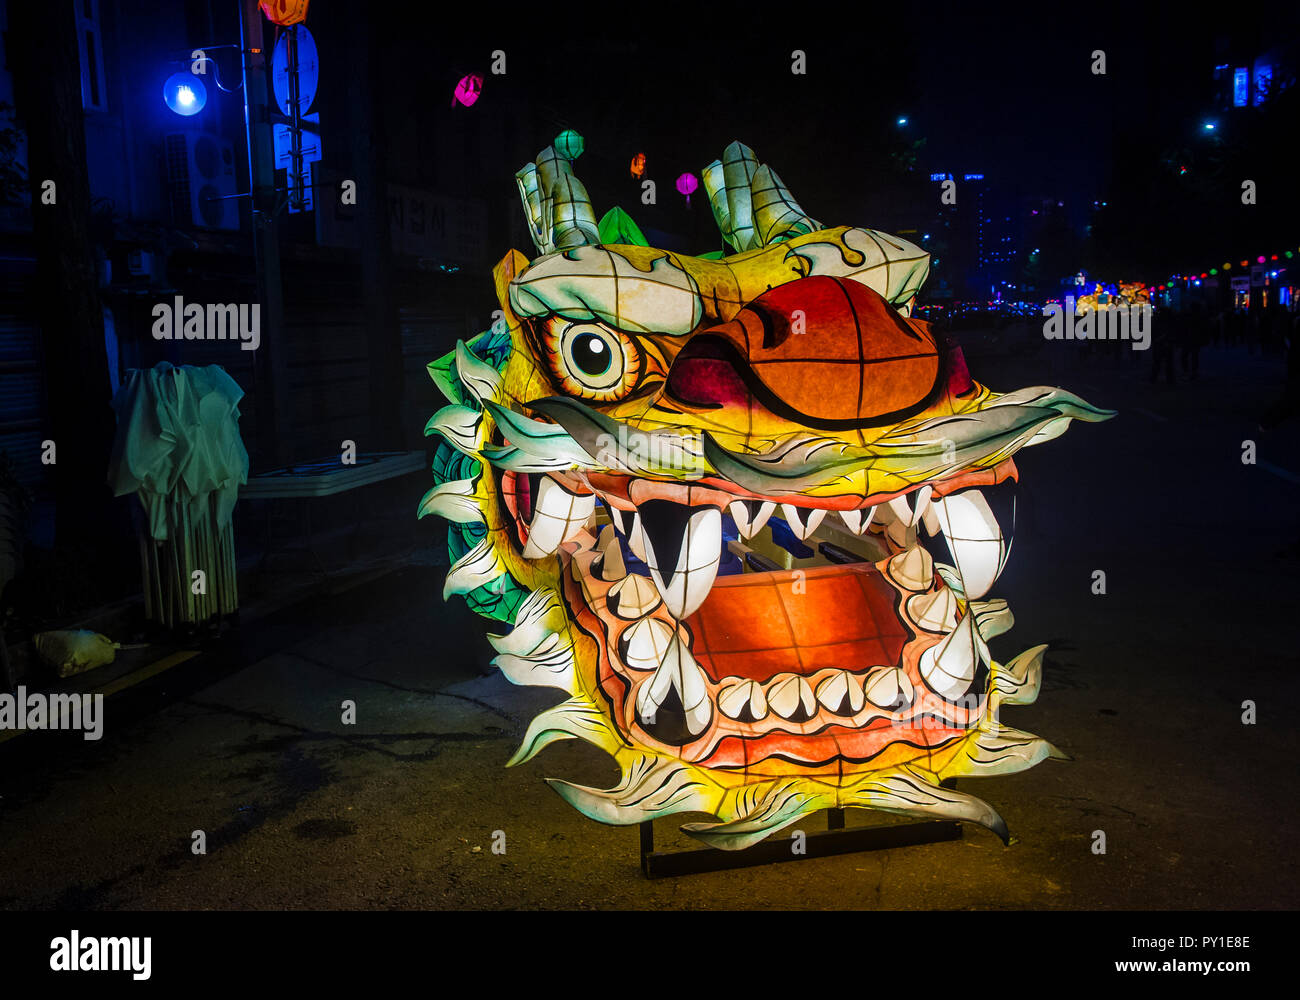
(185, 94)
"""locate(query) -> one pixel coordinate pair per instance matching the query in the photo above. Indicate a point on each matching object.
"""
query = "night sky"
(1009, 96)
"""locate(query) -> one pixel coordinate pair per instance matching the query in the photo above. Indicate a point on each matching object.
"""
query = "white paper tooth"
(910, 507)
(558, 515)
(803, 521)
(948, 667)
(612, 566)
(735, 697)
(619, 519)
(858, 520)
(832, 690)
(913, 568)
(646, 643)
(740, 514)
(889, 687)
(634, 596)
(787, 693)
(974, 539)
(681, 673)
(635, 539)
(930, 519)
(922, 505)
(935, 612)
(697, 562)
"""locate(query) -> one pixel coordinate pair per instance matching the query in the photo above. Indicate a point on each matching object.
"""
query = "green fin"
(617, 227)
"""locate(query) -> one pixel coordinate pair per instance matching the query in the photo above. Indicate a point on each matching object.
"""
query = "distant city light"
(1208, 126)
(902, 121)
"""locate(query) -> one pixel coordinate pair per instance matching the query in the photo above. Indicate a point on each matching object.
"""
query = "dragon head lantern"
(700, 495)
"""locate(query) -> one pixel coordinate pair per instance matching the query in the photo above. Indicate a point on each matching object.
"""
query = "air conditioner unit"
(201, 179)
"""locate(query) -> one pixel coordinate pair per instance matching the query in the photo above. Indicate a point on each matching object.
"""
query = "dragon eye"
(590, 354)
(591, 360)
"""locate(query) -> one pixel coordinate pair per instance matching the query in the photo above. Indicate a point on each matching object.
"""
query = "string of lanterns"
(1227, 266)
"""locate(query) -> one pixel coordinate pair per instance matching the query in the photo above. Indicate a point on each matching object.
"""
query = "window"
(94, 94)
(1240, 87)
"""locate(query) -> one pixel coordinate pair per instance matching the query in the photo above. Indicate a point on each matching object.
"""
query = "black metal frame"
(835, 839)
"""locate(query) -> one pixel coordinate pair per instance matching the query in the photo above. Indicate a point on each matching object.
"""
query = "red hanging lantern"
(284, 12)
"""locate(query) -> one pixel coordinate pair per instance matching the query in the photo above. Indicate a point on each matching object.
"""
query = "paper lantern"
(637, 167)
(686, 184)
(569, 144)
(706, 531)
(467, 90)
(285, 12)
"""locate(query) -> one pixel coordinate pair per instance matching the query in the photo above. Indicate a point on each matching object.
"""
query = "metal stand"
(836, 839)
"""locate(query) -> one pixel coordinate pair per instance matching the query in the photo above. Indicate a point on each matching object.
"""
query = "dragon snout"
(826, 352)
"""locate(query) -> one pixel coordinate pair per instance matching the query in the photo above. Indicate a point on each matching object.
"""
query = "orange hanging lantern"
(285, 12)
(637, 166)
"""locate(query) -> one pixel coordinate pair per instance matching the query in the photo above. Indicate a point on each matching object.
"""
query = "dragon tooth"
(750, 515)
(643, 644)
(743, 700)
(934, 612)
(677, 672)
(909, 512)
(858, 521)
(612, 567)
(974, 538)
(889, 688)
(930, 520)
(791, 697)
(948, 667)
(558, 515)
(683, 547)
(632, 597)
(803, 521)
(841, 693)
(913, 568)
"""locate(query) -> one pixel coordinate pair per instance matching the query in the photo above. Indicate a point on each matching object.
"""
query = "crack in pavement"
(360, 740)
(512, 719)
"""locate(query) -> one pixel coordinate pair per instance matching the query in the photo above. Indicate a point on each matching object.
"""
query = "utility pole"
(271, 399)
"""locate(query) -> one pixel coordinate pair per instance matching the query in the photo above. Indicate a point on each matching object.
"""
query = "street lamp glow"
(185, 94)
(902, 120)
(1208, 126)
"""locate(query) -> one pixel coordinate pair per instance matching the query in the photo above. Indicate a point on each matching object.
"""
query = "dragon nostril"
(704, 374)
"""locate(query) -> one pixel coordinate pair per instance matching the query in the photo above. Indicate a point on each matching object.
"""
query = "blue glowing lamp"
(185, 94)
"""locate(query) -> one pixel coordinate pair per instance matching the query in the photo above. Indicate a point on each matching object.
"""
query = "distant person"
(1193, 336)
(1164, 335)
(1289, 404)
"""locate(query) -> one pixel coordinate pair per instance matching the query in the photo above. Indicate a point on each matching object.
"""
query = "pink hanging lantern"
(686, 184)
(468, 89)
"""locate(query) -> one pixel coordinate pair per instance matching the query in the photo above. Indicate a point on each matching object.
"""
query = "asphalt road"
(1144, 686)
